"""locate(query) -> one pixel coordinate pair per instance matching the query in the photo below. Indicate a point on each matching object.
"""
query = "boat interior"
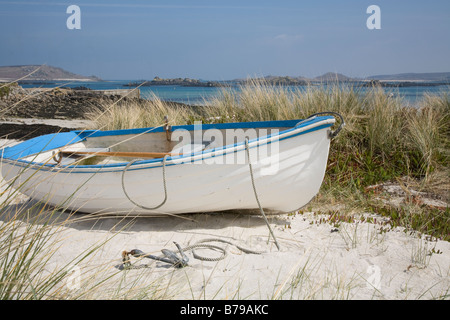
(109, 147)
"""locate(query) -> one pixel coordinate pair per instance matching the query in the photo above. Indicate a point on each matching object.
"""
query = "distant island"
(36, 73)
(433, 76)
(403, 84)
(275, 80)
(399, 80)
(184, 82)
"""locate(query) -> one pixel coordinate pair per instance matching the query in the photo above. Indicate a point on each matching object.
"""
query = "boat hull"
(287, 171)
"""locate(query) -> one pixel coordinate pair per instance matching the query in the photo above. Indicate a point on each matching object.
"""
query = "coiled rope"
(202, 244)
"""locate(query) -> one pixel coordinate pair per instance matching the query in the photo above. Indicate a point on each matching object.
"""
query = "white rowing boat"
(175, 170)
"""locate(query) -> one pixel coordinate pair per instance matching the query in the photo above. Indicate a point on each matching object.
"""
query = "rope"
(201, 244)
(256, 195)
(164, 184)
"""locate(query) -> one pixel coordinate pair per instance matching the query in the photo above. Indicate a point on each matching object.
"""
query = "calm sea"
(198, 95)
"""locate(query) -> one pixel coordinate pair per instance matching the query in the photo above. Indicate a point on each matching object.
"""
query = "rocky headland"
(55, 103)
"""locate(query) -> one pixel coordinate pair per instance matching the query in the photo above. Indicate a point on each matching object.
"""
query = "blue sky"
(221, 40)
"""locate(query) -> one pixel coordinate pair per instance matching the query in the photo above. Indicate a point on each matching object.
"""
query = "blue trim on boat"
(40, 144)
(58, 140)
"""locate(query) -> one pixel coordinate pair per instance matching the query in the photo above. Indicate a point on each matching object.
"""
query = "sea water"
(200, 95)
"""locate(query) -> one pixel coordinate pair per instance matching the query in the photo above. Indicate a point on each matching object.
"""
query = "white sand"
(316, 261)
(70, 123)
(356, 262)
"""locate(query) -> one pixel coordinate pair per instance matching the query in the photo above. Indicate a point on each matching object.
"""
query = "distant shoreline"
(39, 81)
(45, 74)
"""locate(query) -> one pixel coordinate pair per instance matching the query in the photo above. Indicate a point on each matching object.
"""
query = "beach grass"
(139, 114)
